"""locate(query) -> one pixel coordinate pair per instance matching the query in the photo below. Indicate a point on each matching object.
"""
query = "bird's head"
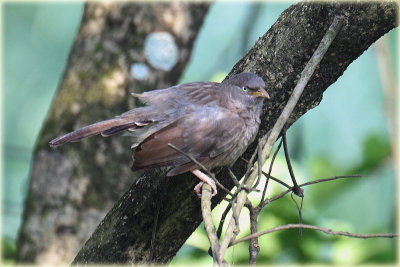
(247, 85)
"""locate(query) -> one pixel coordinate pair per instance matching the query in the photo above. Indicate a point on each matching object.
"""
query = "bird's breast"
(250, 131)
(245, 133)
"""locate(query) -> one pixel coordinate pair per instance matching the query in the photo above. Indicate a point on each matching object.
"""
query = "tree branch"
(278, 126)
(312, 227)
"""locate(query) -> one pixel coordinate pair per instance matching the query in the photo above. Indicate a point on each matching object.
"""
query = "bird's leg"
(204, 179)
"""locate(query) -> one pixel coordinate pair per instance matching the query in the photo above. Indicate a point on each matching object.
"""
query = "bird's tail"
(106, 128)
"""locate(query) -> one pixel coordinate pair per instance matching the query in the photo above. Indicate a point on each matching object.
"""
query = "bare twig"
(254, 248)
(282, 194)
(222, 220)
(238, 185)
(250, 163)
(233, 176)
(206, 195)
(296, 189)
(277, 180)
(299, 208)
(311, 182)
(269, 175)
(259, 147)
(210, 174)
(321, 229)
(267, 201)
(331, 179)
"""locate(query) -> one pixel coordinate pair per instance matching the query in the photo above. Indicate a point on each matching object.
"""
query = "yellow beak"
(261, 93)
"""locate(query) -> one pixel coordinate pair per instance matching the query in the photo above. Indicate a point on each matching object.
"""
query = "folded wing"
(205, 133)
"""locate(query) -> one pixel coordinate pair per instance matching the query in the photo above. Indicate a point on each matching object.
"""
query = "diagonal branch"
(283, 118)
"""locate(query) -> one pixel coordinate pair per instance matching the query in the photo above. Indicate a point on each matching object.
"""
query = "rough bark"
(279, 56)
(72, 188)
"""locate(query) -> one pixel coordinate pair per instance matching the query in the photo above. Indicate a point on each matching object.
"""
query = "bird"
(212, 122)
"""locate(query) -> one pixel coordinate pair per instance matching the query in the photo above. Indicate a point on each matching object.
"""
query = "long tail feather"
(108, 126)
(118, 129)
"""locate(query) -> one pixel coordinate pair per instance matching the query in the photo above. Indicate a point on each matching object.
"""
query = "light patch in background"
(140, 71)
(115, 81)
(175, 18)
(161, 51)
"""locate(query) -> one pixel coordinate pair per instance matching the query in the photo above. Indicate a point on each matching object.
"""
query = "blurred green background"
(348, 133)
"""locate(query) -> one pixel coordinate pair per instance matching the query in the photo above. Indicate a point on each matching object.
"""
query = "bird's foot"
(197, 189)
(205, 179)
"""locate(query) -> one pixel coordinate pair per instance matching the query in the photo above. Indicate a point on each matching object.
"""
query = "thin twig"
(299, 208)
(233, 176)
(250, 163)
(277, 180)
(254, 247)
(225, 213)
(210, 174)
(259, 163)
(222, 220)
(312, 227)
(238, 185)
(206, 195)
(269, 175)
(296, 189)
(331, 179)
(282, 194)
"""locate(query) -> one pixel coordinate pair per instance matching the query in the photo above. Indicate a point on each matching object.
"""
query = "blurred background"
(352, 131)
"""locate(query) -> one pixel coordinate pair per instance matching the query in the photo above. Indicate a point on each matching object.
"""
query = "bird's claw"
(198, 187)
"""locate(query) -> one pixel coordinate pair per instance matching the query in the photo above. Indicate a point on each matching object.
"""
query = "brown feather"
(187, 167)
(198, 134)
(154, 150)
(118, 129)
(87, 131)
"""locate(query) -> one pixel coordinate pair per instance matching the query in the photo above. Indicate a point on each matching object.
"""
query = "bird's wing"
(199, 93)
(204, 133)
(164, 106)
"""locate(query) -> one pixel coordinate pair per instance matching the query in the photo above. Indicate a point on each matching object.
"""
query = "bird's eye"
(244, 89)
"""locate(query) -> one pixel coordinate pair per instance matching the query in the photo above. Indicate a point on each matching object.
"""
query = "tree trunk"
(124, 236)
(73, 187)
